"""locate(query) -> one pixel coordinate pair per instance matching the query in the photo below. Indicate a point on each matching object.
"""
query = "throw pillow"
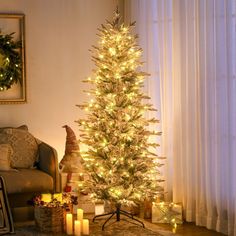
(5, 154)
(23, 127)
(24, 145)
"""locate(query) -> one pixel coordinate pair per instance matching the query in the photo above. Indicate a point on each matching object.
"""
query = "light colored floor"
(188, 229)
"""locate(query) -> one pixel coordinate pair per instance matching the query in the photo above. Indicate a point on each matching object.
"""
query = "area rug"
(6, 223)
(121, 228)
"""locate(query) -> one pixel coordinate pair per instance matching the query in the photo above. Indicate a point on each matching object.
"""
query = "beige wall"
(59, 34)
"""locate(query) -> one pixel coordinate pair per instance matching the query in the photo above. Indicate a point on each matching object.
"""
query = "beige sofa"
(29, 167)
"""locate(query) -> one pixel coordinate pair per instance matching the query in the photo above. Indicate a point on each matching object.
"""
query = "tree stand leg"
(118, 212)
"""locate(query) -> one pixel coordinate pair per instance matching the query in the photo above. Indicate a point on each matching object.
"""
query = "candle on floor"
(86, 227)
(80, 213)
(69, 224)
(77, 228)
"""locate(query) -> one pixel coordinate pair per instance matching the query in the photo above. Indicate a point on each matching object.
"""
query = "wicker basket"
(49, 219)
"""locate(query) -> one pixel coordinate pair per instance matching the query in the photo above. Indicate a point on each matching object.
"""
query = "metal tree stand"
(118, 212)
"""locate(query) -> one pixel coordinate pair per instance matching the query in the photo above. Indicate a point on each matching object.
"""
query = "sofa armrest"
(48, 163)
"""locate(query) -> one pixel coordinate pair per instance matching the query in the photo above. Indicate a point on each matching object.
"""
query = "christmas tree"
(120, 158)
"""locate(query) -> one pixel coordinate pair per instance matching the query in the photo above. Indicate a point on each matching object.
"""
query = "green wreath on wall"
(10, 61)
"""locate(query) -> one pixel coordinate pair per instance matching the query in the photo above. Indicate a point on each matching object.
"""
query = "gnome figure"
(71, 161)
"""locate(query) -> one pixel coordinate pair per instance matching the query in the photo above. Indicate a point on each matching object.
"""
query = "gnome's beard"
(70, 163)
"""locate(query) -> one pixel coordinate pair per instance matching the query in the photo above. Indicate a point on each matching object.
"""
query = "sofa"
(29, 167)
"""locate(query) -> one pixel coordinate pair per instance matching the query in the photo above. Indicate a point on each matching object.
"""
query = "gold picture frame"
(14, 25)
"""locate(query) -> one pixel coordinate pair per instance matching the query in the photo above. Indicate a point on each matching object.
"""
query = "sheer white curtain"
(189, 47)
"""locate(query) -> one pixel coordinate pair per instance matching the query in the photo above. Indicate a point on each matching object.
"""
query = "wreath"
(10, 61)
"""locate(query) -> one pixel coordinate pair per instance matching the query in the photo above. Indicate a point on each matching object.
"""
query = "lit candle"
(86, 227)
(69, 226)
(80, 213)
(77, 228)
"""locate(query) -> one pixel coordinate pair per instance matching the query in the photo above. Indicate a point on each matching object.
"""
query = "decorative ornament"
(71, 161)
(10, 62)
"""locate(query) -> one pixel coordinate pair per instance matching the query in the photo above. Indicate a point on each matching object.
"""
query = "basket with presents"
(50, 211)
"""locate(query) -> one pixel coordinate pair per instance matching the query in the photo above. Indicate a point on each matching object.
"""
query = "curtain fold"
(190, 52)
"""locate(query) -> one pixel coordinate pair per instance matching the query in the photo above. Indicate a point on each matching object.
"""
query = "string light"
(112, 51)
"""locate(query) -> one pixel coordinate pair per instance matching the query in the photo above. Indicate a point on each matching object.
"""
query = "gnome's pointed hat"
(71, 141)
(71, 161)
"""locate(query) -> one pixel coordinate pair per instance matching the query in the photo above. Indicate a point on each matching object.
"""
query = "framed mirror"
(12, 59)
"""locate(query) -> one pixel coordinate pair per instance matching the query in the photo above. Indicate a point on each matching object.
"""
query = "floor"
(189, 229)
(186, 229)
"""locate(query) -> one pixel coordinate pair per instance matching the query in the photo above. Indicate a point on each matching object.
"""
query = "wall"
(59, 34)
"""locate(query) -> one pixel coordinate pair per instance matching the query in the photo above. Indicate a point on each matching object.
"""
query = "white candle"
(69, 226)
(86, 227)
(80, 213)
(77, 228)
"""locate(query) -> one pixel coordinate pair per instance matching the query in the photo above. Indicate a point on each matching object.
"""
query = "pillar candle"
(69, 225)
(86, 227)
(80, 213)
(77, 228)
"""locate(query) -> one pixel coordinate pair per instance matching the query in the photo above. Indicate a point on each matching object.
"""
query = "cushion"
(24, 145)
(23, 127)
(5, 154)
(27, 181)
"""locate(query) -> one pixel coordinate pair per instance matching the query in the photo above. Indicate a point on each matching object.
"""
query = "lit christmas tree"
(122, 166)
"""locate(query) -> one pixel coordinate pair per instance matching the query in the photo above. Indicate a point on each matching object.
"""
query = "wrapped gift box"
(86, 203)
(99, 208)
(167, 212)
